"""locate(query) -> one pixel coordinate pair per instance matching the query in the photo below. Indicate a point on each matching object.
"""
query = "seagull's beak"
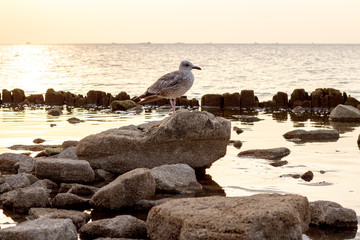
(195, 67)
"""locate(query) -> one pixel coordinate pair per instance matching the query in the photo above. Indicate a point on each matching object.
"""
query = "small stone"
(238, 130)
(279, 163)
(52, 125)
(322, 171)
(270, 154)
(74, 120)
(244, 118)
(237, 144)
(308, 176)
(38, 140)
(54, 112)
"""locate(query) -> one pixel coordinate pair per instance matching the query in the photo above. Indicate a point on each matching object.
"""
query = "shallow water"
(237, 176)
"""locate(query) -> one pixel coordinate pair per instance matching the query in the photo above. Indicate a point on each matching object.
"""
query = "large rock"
(345, 113)
(41, 229)
(64, 170)
(194, 138)
(8, 160)
(70, 201)
(18, 95)
(312, 135)
(262, 216)
(175, 178)
(212, 100)
(271, 153)
(125, 190)
(281, 100)
(78, 218)
(17, 181)
(6, 96)
(232, 100)
(298, 96)
(123, 226)
(331, 214)
(248, 99)
(25, 166)
(54, 98)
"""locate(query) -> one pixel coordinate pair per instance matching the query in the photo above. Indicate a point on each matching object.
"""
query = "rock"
(259, 216)
(38, 140)
(281, 100)
(296, 176)
(7, 98)
(175, 178)
(64, 170)
(41, 229)
(335, 97)
(308, 176)
(77, 217)
(352, 102)
(102, 175)
(313, 135)
(54, 98)
(35, 148)
(17, 181)
(248, 99)
(18, 95)
(25, 166)
(68, 153)
(36, 99)
(83, 190)
(345, 113)
(232, 100)
(97, 98)
(54, 112)
(70, 143)
(331, 214)
(271, 153)
(45, 184)
(298, 95)
(123, 226)
(212, 100)
(245, 118)
(298, 109)
(5, 187)
(237, 144)
(70, 201)
(122, 96)
(125, 190)
(238, 130)
(8, 160)
(194, 138)
(122, 105)
(22, 199)
(279, 163)
(80, 102)
(74, 120)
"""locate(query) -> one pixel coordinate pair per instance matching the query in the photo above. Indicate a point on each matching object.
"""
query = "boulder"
(247, 98)
(261, 216)
(331, 214)
(237, 144)
(312, 135)
(298, 95)
(194, 138)
(18, 95)
(68, 153)
(232, 100)
(122, 105)
(122, 96)
(97, 98)
(74, 120)
(25, 166)
(352, 102)
(70, 201)
(125, 190)
(54, 111)
(64, 170)
(22, 199)
(41, 229)
(54, 98)
(271, 153)
(335, 97)
(8, 160)
(80, 101)
(6, 96)
(183, 101)
(345, 113)
(212, 100)
(77, 217)
(175, 178)
(69, 143)
(79, 189)
(36, 98)
(17, 181)
(308, 176)
(281, 100)
(123, 226)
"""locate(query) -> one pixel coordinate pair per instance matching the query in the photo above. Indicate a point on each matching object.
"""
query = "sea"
(264, 68)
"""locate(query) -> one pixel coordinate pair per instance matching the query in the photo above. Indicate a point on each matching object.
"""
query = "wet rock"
(335, 97)
(212, 100)
(279, 163)
(18, 95)
(238, 130)
(22, 199)
(6, 96)
(298, 109)
(281, 100)
(64, 170)
(125, 190)
(252, 217)
(38, 140)
(17, 181)
(312, 135)
(331, 214)
(80, 102)
(298, 95)
(69, 143)
(8, 160)
(183, 101)
(245, 118)
(70, 201)
(97, 98)
(194, 138)
(75, 120)
(308, 176)
(232, 100)
(345, 113)
(296, 176)
(41, 229)
(68, 153)
(194, 103)
(36, 99)
(54, 98)
(122, 96)
(271, 153)
(122, 105)
(248, 99)
(54, 112)
(237, 144)
(34, 148)
(123, 226)
(352, 102)
(78, 218)
(175, 178)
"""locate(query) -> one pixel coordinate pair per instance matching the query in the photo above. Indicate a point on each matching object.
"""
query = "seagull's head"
(186, 65)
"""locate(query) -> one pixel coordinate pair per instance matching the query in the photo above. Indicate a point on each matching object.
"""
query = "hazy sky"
(189, 21)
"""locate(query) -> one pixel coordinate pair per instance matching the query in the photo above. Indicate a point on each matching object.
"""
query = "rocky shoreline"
(321, 98)
(154, 170)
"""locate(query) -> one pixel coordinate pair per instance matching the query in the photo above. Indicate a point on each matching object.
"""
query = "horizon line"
(180, 43)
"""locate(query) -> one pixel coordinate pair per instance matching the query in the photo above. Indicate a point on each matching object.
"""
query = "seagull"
(171, 85)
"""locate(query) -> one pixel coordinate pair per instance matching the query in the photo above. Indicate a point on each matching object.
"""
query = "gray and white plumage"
(171, 85)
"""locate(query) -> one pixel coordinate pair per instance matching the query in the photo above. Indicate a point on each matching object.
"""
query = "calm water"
(226, 68)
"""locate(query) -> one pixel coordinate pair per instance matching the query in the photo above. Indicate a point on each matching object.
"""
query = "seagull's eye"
(187, 65)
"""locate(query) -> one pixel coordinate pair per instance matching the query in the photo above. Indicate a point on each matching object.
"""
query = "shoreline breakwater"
(320, 98)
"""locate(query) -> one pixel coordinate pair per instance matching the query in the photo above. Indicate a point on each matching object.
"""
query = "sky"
(171, 21)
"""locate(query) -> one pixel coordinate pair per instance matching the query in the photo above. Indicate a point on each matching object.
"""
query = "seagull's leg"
(173, 103)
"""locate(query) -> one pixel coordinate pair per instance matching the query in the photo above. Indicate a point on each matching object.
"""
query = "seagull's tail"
(148, 99)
